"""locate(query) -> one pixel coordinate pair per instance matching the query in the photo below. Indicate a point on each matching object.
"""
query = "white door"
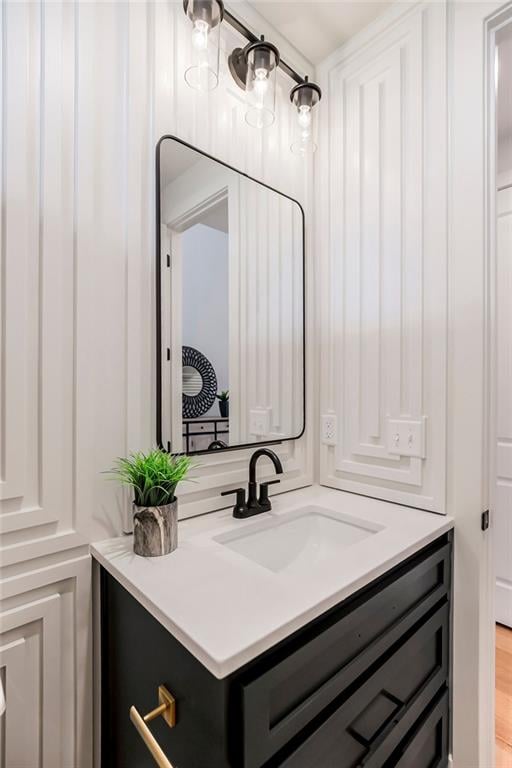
(503, 491)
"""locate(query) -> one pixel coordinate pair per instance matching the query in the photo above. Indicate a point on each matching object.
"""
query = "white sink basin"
(301, 538)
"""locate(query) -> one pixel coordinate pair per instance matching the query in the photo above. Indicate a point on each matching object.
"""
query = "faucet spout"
(252, 501)
(274, 458)
(254, 505)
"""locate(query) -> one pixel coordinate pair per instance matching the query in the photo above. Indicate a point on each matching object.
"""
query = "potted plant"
(223, 398)
(153, 477)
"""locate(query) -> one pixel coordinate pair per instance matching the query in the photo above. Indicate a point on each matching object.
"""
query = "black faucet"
(255, 505)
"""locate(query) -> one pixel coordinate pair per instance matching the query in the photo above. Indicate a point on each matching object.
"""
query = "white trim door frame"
(172, 290)
(501, 468)
(176, 229)
(472, 216)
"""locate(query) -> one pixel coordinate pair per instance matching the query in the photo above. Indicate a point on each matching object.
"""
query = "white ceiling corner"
(261, 23)
(316, 29)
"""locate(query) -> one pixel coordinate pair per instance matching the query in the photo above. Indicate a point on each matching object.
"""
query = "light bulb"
(260, 81)
(200, 35)
(304, 96)
(305, 116)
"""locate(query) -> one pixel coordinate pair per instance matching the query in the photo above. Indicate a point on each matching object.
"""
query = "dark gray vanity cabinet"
(366, 684)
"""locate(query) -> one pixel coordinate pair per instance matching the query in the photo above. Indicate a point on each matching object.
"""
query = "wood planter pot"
(155, 530)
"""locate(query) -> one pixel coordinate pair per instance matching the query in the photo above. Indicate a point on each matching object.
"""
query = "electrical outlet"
(406, 437)
(329, 429)
(259, 422)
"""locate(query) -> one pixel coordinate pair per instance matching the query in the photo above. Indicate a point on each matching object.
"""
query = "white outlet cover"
(406, 437)
(329, 429)
(259, 421)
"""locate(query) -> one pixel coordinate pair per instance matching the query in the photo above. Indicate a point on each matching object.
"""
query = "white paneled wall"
(382, 235)
(86, 90)
(266, 318)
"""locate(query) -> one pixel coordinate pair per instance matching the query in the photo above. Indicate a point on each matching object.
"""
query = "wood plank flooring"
(503, 697)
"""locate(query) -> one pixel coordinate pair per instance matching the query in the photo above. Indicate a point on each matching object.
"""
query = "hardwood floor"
(503, 697)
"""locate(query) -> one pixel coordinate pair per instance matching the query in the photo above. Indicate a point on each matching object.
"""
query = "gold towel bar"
(167, 709)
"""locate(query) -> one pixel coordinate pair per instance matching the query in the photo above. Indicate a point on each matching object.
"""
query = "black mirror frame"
(158, 302)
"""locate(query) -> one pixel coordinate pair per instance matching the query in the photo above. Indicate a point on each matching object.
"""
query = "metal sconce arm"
(252, 38)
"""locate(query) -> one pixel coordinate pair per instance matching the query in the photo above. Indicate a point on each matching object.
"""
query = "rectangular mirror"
(230, 306)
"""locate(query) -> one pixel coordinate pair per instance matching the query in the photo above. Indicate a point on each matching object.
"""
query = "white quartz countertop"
(226, 609)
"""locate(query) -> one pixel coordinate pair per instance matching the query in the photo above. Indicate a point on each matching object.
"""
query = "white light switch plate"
(329, 429)
(259, 421)
(406, 437)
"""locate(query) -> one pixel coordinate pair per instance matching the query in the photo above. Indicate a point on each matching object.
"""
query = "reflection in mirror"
(192, 381)
(231, 290)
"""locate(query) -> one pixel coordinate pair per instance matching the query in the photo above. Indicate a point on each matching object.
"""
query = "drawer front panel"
(279, 703)
(427, 744)
(370, 726)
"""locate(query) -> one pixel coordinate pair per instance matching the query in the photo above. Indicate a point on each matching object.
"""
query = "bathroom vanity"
(329, 648)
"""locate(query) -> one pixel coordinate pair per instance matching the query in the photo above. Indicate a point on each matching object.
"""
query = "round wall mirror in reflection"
(199, 383)
(192, 381)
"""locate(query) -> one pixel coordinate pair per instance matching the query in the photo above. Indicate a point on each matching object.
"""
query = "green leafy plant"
(153, 476)
(223, 396)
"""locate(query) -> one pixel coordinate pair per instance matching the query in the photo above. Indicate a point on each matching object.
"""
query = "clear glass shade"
(260, 85)
(303, 142)
(304, 98)
(203, 72)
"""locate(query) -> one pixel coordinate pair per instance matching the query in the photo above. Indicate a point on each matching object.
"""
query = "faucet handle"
(264, 501)
(240, 508)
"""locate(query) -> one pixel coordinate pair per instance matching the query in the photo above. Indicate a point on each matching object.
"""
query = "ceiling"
(175, 159)
(317, 29)
(217, 216)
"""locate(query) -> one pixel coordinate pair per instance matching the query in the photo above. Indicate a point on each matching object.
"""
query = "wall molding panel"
(383, 252)
(45, 656)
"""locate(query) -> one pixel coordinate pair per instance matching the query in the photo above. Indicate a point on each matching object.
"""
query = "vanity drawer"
(369, 726)
(282, 700)
(427, 745)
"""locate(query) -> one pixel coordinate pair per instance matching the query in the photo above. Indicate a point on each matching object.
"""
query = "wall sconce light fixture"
(206, 17)
(305, 97)
(254, 68)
